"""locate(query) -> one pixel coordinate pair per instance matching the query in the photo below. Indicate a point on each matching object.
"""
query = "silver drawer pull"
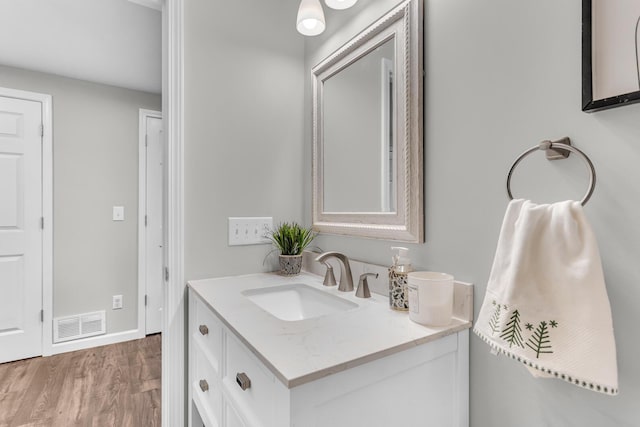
(243, 380)
(204, 385)
(203, 329)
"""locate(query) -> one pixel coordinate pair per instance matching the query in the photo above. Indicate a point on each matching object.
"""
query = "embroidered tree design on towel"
(539, 341)
(494, 321)
(513, 332)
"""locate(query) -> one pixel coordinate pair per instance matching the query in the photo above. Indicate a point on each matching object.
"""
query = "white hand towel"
(546, 304)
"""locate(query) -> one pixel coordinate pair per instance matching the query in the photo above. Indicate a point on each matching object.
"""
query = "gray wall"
(244, 77)
(500, 77)
(95, 163)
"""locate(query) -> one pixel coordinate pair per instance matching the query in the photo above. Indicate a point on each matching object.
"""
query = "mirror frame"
(404, 23)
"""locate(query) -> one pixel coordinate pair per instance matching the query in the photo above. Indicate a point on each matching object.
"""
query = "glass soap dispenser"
(398, 272)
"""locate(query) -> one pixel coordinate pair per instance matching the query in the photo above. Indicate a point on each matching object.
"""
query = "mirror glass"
(367, 131)
(358, 135)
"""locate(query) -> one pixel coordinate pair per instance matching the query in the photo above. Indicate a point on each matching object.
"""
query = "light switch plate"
(118, 213)
(249, 230)
(117, 302)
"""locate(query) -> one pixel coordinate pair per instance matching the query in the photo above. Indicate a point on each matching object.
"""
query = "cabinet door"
(413, 388)
(249, 385)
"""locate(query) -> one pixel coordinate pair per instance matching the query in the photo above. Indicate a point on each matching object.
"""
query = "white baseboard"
(83, 344)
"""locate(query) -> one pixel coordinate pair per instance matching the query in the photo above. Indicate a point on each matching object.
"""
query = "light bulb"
(310, 21)
(340, 4)
(310, 24)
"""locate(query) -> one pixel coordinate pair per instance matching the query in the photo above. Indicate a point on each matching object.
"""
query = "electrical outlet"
(249, 230)
(117, 302)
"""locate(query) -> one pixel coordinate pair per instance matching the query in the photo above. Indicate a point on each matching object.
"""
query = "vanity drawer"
(206, 387)
(249, 384)
(208, 333)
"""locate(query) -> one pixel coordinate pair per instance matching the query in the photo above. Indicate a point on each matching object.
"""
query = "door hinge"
(166, 274)
(41, 130)
(42, 316)
(146, 299)
(146, 140)
(145, 220)
(42, 223)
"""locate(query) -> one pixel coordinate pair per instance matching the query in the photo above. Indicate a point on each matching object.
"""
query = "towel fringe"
(589, 385)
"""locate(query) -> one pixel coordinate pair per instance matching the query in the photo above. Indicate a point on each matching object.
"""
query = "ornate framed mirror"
(367, 132)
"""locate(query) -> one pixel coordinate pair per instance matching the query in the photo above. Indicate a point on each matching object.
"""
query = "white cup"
(430, 297)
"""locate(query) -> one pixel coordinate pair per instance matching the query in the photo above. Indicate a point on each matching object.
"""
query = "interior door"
(20, 229)
(154, 234)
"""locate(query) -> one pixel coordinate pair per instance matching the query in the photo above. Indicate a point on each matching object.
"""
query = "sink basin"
(297, 301)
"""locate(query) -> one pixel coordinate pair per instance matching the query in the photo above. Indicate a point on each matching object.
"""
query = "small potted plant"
(291, 239)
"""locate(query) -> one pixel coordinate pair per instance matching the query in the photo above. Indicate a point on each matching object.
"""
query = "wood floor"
(111, 386)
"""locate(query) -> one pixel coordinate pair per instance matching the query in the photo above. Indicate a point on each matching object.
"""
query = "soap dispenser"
(398, 272)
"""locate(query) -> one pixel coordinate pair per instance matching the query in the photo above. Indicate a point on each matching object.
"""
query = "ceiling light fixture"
(310, 20)
(340, 4)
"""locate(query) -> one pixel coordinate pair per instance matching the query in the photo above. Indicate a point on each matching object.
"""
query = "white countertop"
(301, 351)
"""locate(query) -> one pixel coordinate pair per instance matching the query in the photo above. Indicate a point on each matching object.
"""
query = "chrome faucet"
(346, 280)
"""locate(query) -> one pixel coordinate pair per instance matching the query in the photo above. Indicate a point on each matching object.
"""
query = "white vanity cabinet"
(231, 384)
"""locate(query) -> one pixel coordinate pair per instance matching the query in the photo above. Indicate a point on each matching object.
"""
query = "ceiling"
(114, 42)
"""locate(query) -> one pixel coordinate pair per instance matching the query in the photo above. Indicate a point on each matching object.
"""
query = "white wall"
(95, 166)
(500, 77)
(244, 82)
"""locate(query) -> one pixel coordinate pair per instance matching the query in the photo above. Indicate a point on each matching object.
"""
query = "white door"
(154, 220)
(20, 229)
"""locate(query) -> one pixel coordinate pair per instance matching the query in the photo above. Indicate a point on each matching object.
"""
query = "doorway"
(151, 221)
(25, 221)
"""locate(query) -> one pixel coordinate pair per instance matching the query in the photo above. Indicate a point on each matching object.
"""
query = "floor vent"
(79, 326)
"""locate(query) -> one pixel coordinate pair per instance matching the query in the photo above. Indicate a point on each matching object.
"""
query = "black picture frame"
(588, 103)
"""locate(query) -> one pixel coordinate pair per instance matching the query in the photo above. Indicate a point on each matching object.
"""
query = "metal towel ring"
(548, 145)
